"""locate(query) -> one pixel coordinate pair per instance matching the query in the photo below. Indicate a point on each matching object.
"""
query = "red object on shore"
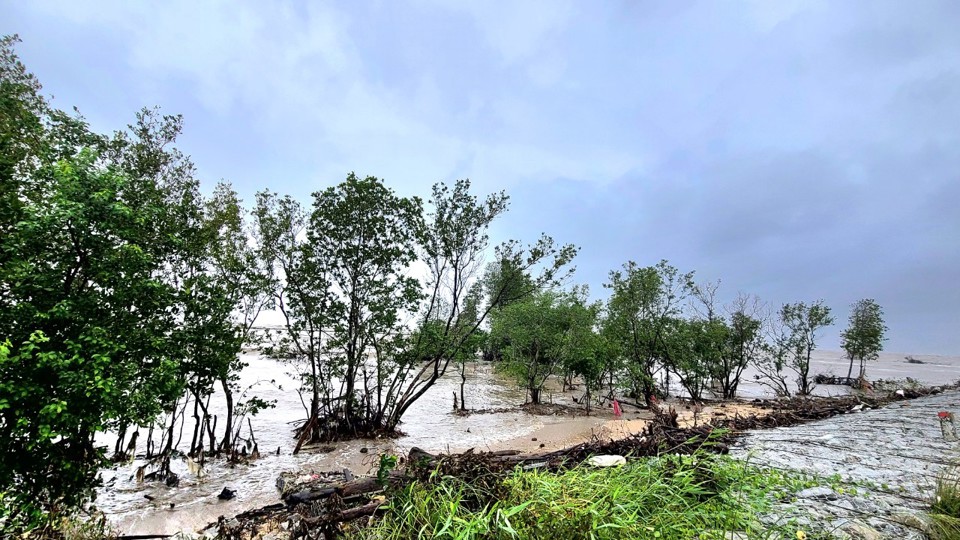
(941, 414)
(616, 409)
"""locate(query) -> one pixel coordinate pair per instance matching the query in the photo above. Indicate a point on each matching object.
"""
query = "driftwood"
(339, 497)
(349, 514)
(345, 490)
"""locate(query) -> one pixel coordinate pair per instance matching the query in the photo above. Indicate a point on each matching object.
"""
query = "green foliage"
(671, 497)
(85, 308)
(299, 289)
(744, 346)
(388, 462)
(945, 510)
(802, 323)
(791, 340)
(452, 246)
(693, 350)
(644, 302)
(363, 236)
(545, 333)
(110, 299)
(505, 283)
(863, 339)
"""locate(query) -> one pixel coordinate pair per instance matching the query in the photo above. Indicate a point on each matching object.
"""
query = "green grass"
(671, 497)
(945, 510)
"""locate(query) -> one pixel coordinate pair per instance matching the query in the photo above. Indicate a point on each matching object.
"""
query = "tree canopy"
(863, 338)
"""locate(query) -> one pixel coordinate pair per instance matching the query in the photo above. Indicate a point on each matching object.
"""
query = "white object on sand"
(606, 461)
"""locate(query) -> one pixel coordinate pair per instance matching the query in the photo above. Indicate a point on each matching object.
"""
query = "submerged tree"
(366, 236)
(730, 342)
(454, 241)
(803, 323)
(545, 333)
(744, 345)
(863, 338)
(643, 304)
(692, 349)
(343, 282)
(774, 356)
(300, 288)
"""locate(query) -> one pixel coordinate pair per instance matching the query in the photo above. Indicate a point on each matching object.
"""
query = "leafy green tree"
(643, 303)
(744, 346)
(452, 247)
(114, 297)
(367, 237)
(774, 357)
(239, 271)
(506, 282)
(803, 322)
(545, 332)
(87, 307)
(597, 363)
(300, 290)
(863, 338)
(470, 318)
(692, 350)
(730, 343)
(22, 134)
(343, 284)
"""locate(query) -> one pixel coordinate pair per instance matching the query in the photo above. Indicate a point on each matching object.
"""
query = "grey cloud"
(795, 150)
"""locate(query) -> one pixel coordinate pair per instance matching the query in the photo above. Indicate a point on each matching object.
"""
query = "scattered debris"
(606, 461)
(172, 480)
(319, 504)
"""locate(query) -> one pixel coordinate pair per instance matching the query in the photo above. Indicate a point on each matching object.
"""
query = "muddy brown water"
(428, 424)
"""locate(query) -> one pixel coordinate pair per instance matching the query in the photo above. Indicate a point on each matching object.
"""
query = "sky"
(792, 150)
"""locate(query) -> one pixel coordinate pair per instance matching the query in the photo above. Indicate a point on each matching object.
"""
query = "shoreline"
(599, 434)
(197, 506)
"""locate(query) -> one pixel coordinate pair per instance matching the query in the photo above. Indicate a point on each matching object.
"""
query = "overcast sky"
(793, 150)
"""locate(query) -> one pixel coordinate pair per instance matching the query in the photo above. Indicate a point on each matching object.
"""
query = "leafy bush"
(670, 497)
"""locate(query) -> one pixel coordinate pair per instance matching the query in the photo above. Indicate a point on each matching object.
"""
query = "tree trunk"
(535, 396)
(463, 382)
(196, 427)
(121, 435)
(226, 443)
(314, 405)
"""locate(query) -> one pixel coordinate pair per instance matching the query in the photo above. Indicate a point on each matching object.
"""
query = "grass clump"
(670, 497)
(945, 510)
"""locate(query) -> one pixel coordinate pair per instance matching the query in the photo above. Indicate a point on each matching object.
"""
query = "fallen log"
(345, 490)
(347, 515)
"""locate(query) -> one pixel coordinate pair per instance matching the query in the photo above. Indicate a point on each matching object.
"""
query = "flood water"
(428, 424)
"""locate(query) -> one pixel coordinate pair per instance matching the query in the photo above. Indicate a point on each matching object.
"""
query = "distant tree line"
(660, 327)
